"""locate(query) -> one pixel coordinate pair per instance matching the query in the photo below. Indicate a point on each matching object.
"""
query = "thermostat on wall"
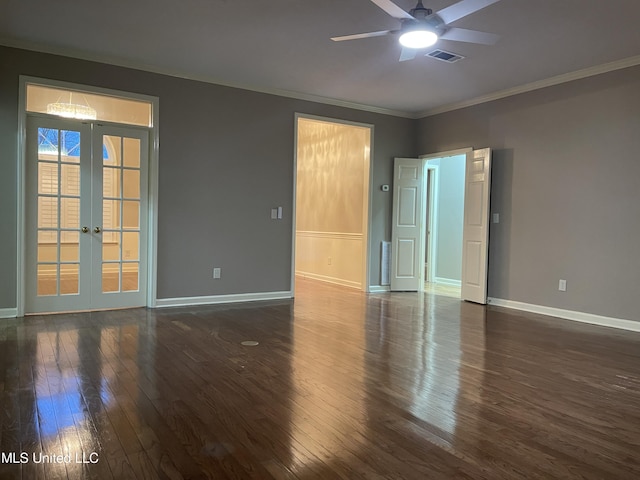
(385, 188)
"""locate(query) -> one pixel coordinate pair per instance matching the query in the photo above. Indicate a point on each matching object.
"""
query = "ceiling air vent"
(445, 56)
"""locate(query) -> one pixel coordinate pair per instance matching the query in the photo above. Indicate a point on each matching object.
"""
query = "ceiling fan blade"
(362, 35)
(470, 36)
(462, 9)
(407, 54)
(392, 9)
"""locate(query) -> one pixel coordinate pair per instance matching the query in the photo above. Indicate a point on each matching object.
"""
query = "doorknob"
(85, 229)
(97, 230)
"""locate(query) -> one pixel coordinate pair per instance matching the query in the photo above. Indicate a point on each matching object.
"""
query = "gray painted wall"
(226, 158)
(566, 182)
(450, 217)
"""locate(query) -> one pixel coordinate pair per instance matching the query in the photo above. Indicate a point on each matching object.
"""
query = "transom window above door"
(77, 104)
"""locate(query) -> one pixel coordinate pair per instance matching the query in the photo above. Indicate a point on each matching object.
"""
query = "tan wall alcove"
(331, 207)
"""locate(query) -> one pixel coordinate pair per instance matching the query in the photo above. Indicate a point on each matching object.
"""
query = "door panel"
(476, 226)
(406, 250)
(120, 166)
(85, 227)
(406, 235)
(57, 207)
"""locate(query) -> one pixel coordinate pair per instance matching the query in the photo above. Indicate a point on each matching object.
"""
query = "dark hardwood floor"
(342, 385)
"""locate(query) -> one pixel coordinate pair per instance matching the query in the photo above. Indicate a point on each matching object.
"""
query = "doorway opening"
(444, 217)
(408, 229)
(87, 195)
(331, 201)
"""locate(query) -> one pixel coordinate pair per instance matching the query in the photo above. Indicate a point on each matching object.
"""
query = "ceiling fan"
(421, 28)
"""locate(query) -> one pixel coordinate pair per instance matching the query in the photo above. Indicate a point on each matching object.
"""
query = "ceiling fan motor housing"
(430, 22)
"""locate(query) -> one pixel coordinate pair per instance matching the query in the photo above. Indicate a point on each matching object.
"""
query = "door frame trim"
(432, 198)
(367, 201)
(152, 201)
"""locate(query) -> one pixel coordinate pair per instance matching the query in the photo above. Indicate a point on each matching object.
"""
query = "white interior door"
(475, 237)
(407, 235)
(86, 216)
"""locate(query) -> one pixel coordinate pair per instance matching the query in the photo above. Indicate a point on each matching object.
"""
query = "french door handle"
(97, 230)
(85, 229)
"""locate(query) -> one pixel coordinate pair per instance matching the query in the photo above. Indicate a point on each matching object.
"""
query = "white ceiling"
(284, 45)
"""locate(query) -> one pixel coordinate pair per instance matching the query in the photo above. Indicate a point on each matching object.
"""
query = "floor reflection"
(341, 385)
(420, 353)
(70, 374)
(328, 377)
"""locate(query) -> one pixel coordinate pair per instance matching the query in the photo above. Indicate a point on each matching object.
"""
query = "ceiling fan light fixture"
(418, 38)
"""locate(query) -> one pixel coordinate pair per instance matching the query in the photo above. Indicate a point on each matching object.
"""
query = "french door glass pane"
(47, 246)
(131, 152)
(70, 180)
(111, 214)
(131, 182)
(47, 279)
(47, 212)
(47, 178)
(130, 272)
(70, 213)
(111, 246)
(131, 215)
(110, 277)
(69, 278)
(70, 246)
(130, 245)
(121, 214)
(112, 150)
(111, 182)
(58, 207)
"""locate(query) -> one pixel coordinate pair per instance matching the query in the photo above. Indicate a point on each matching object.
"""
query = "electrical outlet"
(496, 218)
(562, 285)
(216, 272)
(329, 261)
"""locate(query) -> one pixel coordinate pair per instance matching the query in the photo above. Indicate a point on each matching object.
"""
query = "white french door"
(86, 218)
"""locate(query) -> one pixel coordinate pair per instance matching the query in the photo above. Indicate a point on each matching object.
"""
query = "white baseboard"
(215, 299)
(568, 314)
(328, 279)
(448, 281)
(8, 312)
(379, 288)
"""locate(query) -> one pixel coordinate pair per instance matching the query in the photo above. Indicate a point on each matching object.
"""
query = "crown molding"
(120, 62)
(529, 87)
(111, 60)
